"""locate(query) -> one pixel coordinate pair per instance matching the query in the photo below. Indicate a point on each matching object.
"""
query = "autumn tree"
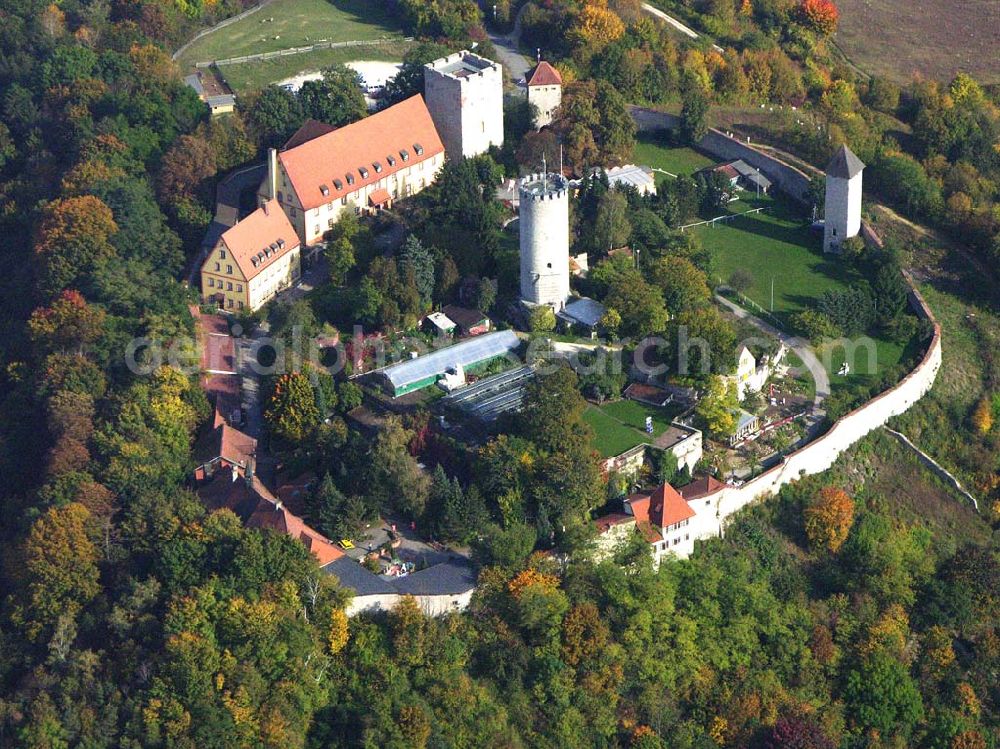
(683, 284)
(185, 168)
(982, 415)
(717, 407)
(828, 519)
(291, 411)
(69, 323)
(819, 15)
(59, 566)
(73, 238)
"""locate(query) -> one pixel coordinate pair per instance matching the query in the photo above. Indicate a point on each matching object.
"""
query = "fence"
(261, 56)
(724, 217)
(220, 25)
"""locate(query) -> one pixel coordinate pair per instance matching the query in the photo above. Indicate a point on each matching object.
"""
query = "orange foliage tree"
(73, 236)
(69, 323)
(819, 15)
(828, 519)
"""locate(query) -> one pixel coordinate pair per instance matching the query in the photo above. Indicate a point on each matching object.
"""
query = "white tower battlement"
(464, 93)
(544, 235)
(842, 208)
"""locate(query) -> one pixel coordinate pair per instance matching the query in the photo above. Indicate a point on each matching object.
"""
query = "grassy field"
(621, 425)
(775, 245)
(251, 76)
(295, 23)
(651, 151)
(942, 37)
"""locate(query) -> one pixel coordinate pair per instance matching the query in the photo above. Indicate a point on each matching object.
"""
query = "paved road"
(686, 30)
(799, 345)
(514, 63)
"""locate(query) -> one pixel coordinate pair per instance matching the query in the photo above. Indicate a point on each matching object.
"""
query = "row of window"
(218, 266)
(213, 284)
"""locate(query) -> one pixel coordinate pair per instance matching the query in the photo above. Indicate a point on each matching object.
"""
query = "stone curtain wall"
(820, 454)
(792, 181)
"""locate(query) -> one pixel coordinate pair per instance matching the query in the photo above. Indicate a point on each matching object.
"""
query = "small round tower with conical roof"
(843, 199)
(544, 229)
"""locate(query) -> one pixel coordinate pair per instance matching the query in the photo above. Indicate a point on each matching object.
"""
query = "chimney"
(236, 473)
(272, 172)
(267, 211)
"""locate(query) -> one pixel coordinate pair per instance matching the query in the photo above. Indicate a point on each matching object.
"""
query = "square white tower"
(464, 93)
(544, 86)
(843, 199)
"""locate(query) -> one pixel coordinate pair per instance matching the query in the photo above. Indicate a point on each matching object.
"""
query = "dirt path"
(686, 30)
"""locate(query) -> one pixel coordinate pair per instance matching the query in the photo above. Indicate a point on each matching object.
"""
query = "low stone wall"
(821, 454)
(792, 181)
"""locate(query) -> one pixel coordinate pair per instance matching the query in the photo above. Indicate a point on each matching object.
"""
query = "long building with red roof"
(360, 167)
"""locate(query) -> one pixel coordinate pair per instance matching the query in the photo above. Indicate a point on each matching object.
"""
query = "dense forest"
(131, 617)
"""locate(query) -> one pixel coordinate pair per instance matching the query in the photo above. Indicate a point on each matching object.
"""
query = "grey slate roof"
(583, 311)
(445, 578)
(844, 164)
(352, 575)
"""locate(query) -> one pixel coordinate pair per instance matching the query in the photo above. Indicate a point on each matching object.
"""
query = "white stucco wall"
(430, 605)
(467, 109)
(842, 211)
(821, 454)
(544, 240)
(545, 99)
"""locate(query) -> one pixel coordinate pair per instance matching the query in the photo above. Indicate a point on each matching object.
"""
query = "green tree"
(274, 115)
(684, 285)
(694, 111)
(395, 479)
(336, 99)
(291, 411)
(881, 694)
(418, 259)
(717, 407)
(639, 304)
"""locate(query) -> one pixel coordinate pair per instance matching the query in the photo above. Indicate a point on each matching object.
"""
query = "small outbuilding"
(583, 313)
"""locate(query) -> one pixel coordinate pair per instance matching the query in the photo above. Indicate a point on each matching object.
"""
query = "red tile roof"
(260, 239)
(606, 522)
(639, 504)
(385, 135)
(310, 130)
(702, 487)
(544, 75)
(728, 170)
(667, 507)
(379, 197)
(277, 517)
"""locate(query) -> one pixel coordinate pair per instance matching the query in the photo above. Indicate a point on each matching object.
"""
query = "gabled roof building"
(252, 261)
(361, 167)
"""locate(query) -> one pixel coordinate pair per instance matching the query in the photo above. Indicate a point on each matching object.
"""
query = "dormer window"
(324, 189)
(404, 154)
(378, 167)
(281, 244)
(363, 172)
(350, 179)
(419, 149)
(338, 184)
(267, 252)
(391, 159)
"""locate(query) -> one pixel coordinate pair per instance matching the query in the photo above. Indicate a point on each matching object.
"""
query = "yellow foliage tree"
(982, 416)
(829, 518)
(597, 25)
(528, 578)
(338, 636)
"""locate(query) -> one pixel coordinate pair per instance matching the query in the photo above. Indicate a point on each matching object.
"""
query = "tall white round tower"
(544, 226)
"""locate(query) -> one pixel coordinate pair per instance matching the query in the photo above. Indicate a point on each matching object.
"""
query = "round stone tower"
(544, 225)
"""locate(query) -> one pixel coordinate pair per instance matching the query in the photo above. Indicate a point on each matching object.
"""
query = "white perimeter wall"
(820, 454)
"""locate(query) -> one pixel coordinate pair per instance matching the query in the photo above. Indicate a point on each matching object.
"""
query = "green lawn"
(651, 151)
(621, 425)
(295, 23)
(251, 76)
(884, 353)
(776, 246)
